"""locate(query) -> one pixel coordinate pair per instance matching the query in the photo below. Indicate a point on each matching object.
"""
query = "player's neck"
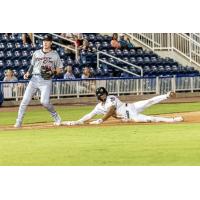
(46, 50)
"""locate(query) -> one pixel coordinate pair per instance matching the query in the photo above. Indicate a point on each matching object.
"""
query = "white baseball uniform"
(128, 111)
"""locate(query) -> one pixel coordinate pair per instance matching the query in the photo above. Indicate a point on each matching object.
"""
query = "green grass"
(160, 144)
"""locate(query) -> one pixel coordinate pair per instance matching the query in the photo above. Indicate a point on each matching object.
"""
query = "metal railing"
(75, 49)
(120, 60)
(186, 45)
(118, 86)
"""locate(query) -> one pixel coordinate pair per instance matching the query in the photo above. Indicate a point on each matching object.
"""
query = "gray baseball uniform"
(52, 60)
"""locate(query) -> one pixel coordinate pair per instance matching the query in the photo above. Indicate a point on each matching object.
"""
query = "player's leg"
(140, 106)
(145, 118)
(30, 90)
(45, 88)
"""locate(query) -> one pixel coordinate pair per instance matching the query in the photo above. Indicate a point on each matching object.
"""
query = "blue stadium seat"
(146, 70)
(90, 44)
(21, 73)
(126, 53)
(105, 45)
(118, 53)
(9, 46)
(2, 55)
(2, 64)
(146, 60)
(17, 54)
(132, 52)
(107, 38)
(24, 63)
(9, 54)
(77, 72)
(9, 64)
(26, 47)
(15, 72)
(12, 38)
(18, 46)
(4, 38)
(2, 46)
(91, 38)
(17, 64)
(132, 60)
(111, 52)
(99, 38)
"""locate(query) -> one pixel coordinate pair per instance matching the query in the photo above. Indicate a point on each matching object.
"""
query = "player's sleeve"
(90, 115)
(58, 62)
(33, 60)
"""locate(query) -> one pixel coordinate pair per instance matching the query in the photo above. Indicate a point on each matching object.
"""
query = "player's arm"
(84, 119)
(30, 69)
(109, 114)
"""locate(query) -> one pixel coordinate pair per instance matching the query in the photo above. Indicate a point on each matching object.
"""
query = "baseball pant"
(134, 110)
(37, 82)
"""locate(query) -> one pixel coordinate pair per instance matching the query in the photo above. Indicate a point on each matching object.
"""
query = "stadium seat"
(17, 64)
(2, 46)
(9, 54)
(9, 46)
(2, 55)
(9, 64)
(18, 46)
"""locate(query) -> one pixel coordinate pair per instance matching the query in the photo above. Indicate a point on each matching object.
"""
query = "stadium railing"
(118, 86)
(115, 66)
(186, 45)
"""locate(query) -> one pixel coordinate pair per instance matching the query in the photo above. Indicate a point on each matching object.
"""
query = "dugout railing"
(118, 86)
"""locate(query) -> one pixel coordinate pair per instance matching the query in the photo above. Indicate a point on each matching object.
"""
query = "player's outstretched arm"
(110, 113)
(84, 119)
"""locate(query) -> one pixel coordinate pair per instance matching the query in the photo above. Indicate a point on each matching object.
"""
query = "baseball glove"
(47, 73)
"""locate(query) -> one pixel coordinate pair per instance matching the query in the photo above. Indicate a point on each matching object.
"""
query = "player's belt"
(36, 74)
(127, 112)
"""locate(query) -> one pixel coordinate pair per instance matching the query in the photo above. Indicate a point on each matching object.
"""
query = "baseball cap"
(47, 38)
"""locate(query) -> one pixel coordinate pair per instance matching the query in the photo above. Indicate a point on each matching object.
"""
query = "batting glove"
(98, 121)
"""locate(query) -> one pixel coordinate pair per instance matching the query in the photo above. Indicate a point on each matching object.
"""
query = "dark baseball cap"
(47, 38)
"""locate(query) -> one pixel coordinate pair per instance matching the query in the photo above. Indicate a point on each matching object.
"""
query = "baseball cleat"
(171, 94)
(178, 119)
(17, 125)
(57, 120)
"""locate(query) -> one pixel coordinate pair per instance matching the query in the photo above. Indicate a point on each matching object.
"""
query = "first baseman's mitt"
(46, 72)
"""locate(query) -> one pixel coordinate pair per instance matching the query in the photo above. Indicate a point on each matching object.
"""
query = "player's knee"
(44, 103)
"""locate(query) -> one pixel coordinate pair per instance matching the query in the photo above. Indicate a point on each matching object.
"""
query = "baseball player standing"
(44, 64)
(111, 106)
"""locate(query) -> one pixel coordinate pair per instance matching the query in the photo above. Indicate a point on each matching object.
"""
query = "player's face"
(103, 97)
(47, 44)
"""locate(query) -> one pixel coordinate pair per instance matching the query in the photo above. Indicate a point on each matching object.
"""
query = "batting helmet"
(101, 91)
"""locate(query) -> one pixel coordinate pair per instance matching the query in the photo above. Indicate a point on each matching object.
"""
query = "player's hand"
(26, 76)
(98, 121)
